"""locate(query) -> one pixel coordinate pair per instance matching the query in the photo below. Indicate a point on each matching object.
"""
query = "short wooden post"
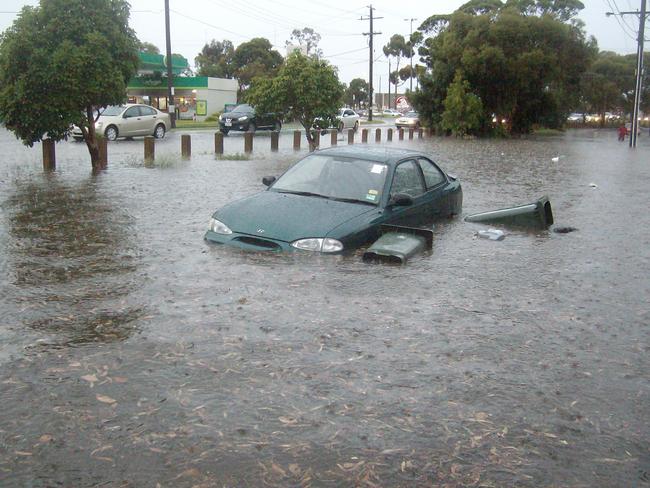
(102, 145)
(248, 142)
(364, 135)
(275, 141)
(378, 135)
(389, 135)
(420, 132)
(334, 137)
(350, 136)
(411, 134)
(49, 155)
(186, 146)
(218, 143)
(297, 135)
(401, 134)
(149, 149)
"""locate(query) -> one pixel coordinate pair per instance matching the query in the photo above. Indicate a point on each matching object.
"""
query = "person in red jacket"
(622, 132)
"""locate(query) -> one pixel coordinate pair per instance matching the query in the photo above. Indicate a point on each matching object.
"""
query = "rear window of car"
(147, 111)
(113, 110)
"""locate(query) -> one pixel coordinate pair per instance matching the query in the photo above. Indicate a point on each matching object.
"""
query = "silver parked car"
(410, 120)
(128, 121)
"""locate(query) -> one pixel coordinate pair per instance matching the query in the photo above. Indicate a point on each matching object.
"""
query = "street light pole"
(411, 52)
(639, 68)
(170, 81)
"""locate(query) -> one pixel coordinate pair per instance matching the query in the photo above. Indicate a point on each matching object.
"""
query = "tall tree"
(397, 48)
(62, 60)
(356, 92)
(255, 58)
(148, 47)
(308, 39)
(216, 59)
(304, 89)
(524, 66)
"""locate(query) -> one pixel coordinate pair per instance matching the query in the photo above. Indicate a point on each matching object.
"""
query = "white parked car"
(389, 112)
(346, 118)
(129, 120)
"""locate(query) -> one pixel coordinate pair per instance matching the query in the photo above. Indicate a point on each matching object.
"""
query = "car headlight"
(243, 119)
(318, 244)
(219, 227)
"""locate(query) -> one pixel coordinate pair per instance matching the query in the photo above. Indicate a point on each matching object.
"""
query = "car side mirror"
(400, 200)
(268, 180)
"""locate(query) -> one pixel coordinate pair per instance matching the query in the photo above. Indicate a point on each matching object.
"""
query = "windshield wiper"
(303, 193)
(351, 200)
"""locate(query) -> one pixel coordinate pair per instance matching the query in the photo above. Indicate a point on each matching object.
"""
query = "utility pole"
(411, 52)
(371, 34)
(639, 68)
(389, 82)
(170, 80)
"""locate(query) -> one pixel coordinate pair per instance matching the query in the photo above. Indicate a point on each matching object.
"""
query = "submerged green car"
(335, 200)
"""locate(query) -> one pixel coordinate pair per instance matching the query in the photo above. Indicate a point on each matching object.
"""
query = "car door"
(149, 119)
(407, 178)
(132, 124)
(348, 119)
(437, 191)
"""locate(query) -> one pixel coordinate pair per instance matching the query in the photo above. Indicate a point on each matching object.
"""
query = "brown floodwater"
(134, 354)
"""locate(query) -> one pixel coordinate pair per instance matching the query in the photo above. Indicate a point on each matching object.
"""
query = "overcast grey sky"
(195, 22)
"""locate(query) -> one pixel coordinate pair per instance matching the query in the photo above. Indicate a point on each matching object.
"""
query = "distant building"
(195, 97)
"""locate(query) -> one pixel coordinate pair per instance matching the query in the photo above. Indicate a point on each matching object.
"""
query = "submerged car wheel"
(224, 131)
(356, 126)
(341, 127)
(159, 132)
(111, 133)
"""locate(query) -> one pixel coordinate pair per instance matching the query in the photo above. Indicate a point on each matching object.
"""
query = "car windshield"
(411, 114)
(335, 177)
(113, 110)
(242, 108)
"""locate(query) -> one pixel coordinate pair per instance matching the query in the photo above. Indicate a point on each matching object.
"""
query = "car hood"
(287, 217)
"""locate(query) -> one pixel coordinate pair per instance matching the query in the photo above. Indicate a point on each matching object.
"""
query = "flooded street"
(134, 354)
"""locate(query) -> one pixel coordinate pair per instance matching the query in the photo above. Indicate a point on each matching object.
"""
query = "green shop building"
(195, 97)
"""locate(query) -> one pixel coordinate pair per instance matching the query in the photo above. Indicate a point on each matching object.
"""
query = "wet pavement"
(134, 354)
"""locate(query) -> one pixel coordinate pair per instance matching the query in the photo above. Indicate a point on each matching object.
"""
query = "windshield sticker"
(373, 192)
(371, 197)
(377, 168)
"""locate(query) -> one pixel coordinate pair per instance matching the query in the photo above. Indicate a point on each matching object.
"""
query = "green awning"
(180, 83)
(157, 62)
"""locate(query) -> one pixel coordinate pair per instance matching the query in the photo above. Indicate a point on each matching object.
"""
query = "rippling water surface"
(134, 354)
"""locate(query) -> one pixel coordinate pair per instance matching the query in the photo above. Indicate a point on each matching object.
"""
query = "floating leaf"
(106, 399)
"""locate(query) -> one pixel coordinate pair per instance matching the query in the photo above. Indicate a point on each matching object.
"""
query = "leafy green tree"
(525, 65)
(148, 47)
(463, 109)
(304, 89)
(356, 92)
(397, 48)
(307, 38)
(62, 60)
(255, 58)
(216, 59)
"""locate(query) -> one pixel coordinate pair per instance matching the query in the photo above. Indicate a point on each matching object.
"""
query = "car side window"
(432, 175)
(147, 111)
(132, 112)
(407, 180)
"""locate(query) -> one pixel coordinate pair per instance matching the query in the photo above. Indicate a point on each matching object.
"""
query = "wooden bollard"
(102, 143)
(334, 137)
(411, 134)
(389, 135)
(378, 135)
(49, 155)
(218, 143)
(420, 132)
(248, 142)
(186, 146)
(275, 141)
(364, 135)
(350, 136)
(401, 134)
(149, 149)
(296, 140)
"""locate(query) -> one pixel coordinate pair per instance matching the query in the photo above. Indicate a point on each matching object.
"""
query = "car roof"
(387, 155)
